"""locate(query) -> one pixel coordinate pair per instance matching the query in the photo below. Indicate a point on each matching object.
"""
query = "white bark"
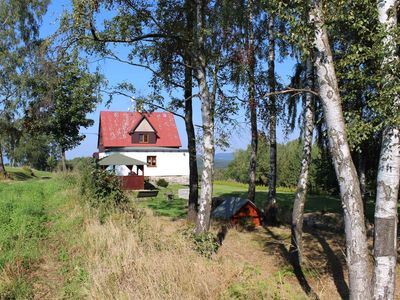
(356, 239)
(301, 191)
(207, 114)
(385, 242)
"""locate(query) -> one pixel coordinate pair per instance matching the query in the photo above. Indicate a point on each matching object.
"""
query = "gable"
(144, 126)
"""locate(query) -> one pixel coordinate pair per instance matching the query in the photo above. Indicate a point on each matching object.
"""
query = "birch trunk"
(207, 115)
(252, 108)
(356, 239)
(385, 240)
(63, 161)
(302, 184)
(190, 132)
(271, 210)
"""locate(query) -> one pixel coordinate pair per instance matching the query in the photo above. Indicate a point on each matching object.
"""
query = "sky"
(116, 72)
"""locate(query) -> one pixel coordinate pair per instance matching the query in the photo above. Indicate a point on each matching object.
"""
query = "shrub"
(162, 182)
(101, 188)
(205, 243)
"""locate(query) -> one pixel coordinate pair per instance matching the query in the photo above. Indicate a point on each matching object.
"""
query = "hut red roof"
(115, 129)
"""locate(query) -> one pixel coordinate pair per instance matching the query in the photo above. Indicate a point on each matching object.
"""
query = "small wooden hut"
(236, 209)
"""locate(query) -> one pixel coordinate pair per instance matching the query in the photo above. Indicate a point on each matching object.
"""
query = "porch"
(135, 179)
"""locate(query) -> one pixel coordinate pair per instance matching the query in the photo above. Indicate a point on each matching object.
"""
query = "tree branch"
(127, 41)
(148, 103)
(147, 67)
(290, 90)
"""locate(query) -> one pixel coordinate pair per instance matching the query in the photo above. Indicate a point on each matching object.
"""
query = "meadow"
(55, 246)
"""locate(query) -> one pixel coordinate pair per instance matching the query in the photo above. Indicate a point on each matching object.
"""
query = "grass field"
(54, 246)
(177, 208)
(285, 197)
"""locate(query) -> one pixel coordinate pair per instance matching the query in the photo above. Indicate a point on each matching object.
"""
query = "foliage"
(19, 32)
(35, 150)
(204, 243)
(64, 92)
(102, 189)
(79, 164)
(288, 164)
(162, 182)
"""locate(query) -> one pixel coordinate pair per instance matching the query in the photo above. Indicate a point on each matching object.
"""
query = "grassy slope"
(22, 174)
(55, 248)
(30, 218)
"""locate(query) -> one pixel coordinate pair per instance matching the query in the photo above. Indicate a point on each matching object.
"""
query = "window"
(143, 138)
(151, 161)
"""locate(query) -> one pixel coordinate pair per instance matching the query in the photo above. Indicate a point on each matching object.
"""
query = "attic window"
(143, 138)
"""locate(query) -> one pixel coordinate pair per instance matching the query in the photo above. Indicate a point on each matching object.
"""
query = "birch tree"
(271, 209)
(356, 240)
(385, 241)
(302, 184)
(207, 99)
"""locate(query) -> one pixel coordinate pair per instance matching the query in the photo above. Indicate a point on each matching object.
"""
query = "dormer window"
(143, 132)
(143, 138)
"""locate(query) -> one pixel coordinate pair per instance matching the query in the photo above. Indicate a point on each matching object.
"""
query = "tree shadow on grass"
(21, 176)
(334, 264)
(277, 244)
(176, 208)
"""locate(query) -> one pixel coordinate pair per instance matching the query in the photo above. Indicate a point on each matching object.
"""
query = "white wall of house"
(168, 163)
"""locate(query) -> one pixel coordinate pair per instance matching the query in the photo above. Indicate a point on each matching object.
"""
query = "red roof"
(115, 128)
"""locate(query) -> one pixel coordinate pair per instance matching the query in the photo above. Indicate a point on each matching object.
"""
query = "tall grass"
(23, 219)
(53, 246)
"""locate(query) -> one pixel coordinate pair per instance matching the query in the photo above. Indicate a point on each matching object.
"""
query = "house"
(149, 141)
(236, 210)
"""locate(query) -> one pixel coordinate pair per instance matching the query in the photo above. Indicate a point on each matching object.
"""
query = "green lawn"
(178, 207)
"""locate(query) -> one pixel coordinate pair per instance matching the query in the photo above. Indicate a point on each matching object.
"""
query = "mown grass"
(177, 208)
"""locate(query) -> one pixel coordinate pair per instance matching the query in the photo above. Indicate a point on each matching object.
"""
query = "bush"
(101, 188)
(162, 182)
(205, 243)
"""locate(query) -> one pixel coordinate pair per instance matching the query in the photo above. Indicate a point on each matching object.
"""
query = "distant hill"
(221, 160)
